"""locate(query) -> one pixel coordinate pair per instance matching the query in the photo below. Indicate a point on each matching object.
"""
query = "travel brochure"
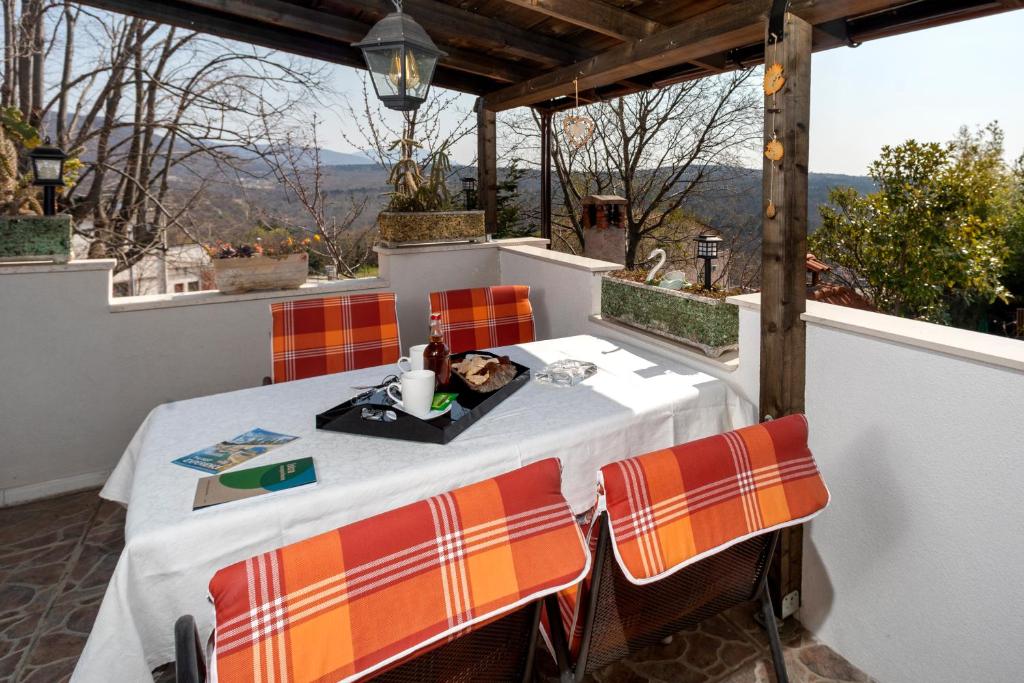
(227, 454)
(253, 481)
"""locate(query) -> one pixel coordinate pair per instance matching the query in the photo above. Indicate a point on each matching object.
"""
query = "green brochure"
(254, 481)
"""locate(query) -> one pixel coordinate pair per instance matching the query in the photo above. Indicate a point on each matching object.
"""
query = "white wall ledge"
(32, 267)
(460, 246)
(560, 258)
(975, 346)
(155, 301)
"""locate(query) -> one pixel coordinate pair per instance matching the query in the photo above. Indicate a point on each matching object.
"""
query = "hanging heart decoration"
(774, 150)
(578, 129)
(773, 79)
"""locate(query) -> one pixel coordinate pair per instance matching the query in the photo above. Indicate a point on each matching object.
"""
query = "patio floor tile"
(57, 555)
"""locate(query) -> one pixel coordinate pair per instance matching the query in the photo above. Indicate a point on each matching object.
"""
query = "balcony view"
(618, 341)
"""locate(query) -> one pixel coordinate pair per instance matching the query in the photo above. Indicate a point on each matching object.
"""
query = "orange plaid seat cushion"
(673, 507)
(485, 317)
(316, 337)
(368, 595)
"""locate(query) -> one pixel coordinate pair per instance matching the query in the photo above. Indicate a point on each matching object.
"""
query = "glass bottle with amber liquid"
(435, 356)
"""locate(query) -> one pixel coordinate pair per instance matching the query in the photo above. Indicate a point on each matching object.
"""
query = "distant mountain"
(331, 158)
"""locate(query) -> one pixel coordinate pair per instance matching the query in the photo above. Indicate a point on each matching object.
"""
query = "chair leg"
(190, 664)
(768, 613)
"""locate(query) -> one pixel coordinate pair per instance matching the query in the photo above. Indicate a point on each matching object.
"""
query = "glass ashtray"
(566, 373)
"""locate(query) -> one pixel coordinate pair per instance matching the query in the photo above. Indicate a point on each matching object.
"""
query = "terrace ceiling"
(528, 52)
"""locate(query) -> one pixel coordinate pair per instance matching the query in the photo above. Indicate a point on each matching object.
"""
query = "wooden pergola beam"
(708, 33)
(726, 27)
(281, 14)
(193, 17)
(783, 261)
(595, 15)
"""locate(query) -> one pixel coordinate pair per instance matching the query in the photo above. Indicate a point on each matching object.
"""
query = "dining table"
(639, 400)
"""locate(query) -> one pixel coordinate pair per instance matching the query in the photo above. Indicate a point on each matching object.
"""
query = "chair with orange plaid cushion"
(683, 534)
(315, 337)
(484, 317)
(445, 589)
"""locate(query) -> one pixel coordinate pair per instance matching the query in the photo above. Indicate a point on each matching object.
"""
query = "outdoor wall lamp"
(469, 189)
(48, 173)
(707, 249)
(401, 58)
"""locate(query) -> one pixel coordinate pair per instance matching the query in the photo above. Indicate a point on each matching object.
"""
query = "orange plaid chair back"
(671, 508)
(313, 337)
(370, 595)
(484, 317)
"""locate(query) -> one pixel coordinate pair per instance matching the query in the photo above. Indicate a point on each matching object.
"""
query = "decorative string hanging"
(578, 129)
(774, 151)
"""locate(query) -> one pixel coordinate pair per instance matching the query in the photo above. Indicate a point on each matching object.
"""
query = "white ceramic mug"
(414, 361)
(417, 388)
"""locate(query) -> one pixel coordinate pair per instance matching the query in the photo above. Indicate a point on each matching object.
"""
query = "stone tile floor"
(57, 555)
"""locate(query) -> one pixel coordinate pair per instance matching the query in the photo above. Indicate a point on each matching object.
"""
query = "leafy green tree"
(930, 242)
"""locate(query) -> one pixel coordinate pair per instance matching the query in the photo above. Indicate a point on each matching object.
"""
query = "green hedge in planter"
(35, 237)
(711, 324)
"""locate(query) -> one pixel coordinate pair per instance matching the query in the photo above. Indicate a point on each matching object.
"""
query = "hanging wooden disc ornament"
(773, 79)
(773, 150)
(770, 210)
(578, 129)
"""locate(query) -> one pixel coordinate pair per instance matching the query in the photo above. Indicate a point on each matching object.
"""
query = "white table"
(637, 402)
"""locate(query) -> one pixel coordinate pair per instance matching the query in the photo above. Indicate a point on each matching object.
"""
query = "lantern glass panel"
(381, 62)
(421, 71)
(47, 169)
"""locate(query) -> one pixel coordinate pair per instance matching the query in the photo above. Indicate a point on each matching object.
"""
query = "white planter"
(237, 275)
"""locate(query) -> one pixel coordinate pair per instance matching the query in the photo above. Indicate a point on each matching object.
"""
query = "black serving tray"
(469, 407)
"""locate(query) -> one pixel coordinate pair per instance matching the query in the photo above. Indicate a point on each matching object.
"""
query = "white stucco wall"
(565, 289)
(913, 573)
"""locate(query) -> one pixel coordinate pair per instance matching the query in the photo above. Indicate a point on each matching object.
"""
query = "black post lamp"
(48, 173)
(469, 189)
(401, 58)
(707, 249)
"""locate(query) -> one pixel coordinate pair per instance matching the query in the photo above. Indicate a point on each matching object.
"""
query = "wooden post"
(545, 174)
(487, 166)
(784, 253)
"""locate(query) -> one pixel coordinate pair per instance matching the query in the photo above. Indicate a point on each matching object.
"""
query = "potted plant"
(690, 315)
(277, 261)
(420, 208)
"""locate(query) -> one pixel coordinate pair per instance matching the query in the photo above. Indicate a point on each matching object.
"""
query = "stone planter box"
(35, 238)
(711, 325)
(237, 275)
(397, 229)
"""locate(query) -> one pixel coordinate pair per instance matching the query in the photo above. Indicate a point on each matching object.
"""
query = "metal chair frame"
(570, 672)
(464, 659)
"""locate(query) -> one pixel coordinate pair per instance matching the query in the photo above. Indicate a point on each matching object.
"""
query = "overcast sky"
(921, 85)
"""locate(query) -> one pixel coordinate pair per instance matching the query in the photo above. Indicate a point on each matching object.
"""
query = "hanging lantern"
(401, 59)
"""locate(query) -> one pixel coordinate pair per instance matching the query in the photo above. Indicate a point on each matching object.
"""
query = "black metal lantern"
(707, 249)
(48, 173)
(469, 189)
(401, 58)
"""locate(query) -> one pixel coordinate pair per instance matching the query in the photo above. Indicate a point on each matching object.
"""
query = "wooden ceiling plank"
(735, 24)
(195, 18)
(342, 29)
(595, 15)
(448, 22)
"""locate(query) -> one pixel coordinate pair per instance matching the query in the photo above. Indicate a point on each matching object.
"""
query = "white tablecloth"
(637, 402)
